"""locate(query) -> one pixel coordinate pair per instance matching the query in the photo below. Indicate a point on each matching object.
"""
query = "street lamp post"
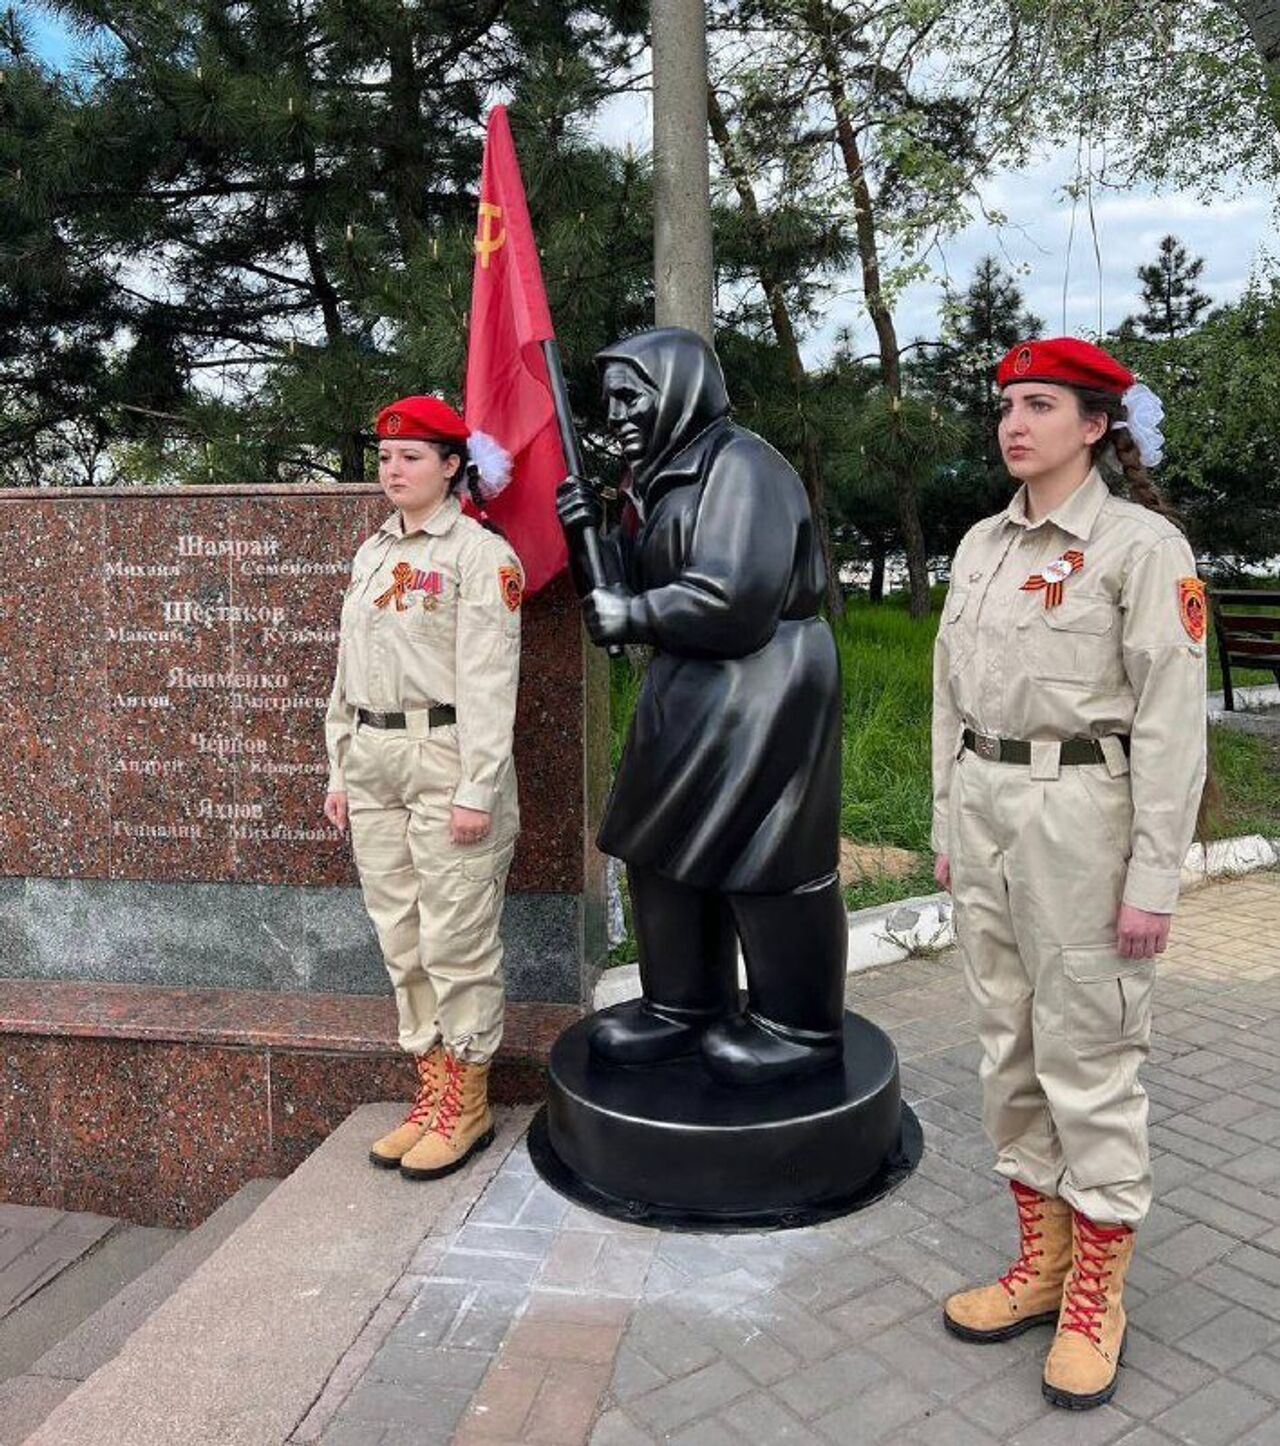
(681, 167)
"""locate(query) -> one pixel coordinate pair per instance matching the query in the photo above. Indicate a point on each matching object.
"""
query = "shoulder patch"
(512, 585)
(1192, 607)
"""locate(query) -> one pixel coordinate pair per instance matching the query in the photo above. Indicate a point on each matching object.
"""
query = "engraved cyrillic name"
(227, 745)
(210, 614)
(124, 828)
(141, 569)
(142, 700)
(192, 544)
(211, 808)
(185, 678)
(150, 767)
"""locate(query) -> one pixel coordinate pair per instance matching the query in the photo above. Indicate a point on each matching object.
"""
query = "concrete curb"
(907, 928)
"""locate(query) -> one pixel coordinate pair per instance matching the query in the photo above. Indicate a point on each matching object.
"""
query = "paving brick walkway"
(538, 1322)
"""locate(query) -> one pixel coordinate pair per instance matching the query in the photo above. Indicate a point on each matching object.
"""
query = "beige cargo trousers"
(1036, 859)
(436, 906)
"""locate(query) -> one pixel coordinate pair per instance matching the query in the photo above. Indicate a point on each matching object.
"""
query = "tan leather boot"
(1029, 1293)
(386, 1152)
(1081, 1369)
(461, 1126)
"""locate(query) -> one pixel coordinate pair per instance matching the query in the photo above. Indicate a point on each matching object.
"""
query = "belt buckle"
(987, 747)
(375, 719)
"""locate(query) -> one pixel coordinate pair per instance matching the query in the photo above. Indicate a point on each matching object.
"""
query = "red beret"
(422, 419)
(1066, 362)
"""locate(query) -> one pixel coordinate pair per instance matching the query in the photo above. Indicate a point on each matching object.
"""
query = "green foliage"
(255, 222)
(1220, 385)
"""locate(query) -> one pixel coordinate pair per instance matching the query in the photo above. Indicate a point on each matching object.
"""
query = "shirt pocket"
(1106, 999)
(1075, 642)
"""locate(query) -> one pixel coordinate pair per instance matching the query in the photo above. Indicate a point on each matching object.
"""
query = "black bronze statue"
(726, 804)
(686, 1109)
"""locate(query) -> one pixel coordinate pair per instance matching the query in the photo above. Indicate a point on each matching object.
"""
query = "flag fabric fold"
(508, 393)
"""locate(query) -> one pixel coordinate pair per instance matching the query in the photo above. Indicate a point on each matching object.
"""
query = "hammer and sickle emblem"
(491, 235)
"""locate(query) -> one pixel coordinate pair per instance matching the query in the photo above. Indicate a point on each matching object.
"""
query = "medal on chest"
(1050, 581)
(406, 580)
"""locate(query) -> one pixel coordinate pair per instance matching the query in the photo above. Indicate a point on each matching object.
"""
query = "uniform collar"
(1077, 515)
(440, 521)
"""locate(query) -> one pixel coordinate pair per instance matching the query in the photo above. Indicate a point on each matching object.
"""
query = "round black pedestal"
(668, 1145)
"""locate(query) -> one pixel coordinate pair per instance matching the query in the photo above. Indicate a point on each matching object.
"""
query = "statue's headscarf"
(686, 375)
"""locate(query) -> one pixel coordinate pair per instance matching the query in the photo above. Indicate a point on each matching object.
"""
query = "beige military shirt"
(1122, 652)
(433, 617)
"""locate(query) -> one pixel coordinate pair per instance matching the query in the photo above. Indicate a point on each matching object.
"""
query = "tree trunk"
(875, 588)
(904, 491)
(813, 474)
(1263, 19)
(682, 257)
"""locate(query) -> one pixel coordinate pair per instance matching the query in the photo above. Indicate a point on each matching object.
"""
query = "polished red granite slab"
(165, 660)
(155, 1105)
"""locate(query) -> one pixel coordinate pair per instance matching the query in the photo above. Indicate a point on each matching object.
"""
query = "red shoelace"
(1085, 1295)
(420, 1110)
(1030, 1205)
(450, 1099)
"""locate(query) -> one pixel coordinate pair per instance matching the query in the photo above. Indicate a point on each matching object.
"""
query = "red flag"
(508, 396)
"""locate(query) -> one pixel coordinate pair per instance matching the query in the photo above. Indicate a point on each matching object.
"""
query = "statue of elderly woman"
(726, 803)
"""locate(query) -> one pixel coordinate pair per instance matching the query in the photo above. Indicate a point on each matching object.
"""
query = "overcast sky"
(1232, 235)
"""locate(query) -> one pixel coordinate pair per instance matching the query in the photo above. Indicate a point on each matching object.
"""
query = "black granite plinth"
(669, 1145)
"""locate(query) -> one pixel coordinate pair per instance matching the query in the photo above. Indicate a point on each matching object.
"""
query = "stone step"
(79, 1323)
(240, 1350)
(78, 1291)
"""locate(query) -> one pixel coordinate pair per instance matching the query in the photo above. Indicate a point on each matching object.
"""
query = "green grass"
(1246, 775)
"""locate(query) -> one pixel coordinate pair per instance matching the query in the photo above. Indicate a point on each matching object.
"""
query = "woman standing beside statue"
(419, 734)
(1068, 762)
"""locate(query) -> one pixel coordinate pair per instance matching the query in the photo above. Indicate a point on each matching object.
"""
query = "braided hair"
(1116, 454)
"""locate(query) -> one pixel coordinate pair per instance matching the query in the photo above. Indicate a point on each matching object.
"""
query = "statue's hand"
(607, 614)
(577, 505)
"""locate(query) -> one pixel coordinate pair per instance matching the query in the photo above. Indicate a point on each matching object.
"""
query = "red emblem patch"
(393, 424)
(1022, 362)
(1192, 607)
(512, 585)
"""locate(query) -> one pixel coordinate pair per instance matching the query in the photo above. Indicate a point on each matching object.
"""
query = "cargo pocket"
(1106, 999)
(485, 862)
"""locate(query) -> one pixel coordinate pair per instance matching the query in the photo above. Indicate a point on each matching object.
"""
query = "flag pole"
(573, 461)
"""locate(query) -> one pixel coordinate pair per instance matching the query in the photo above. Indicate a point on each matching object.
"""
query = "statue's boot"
(795, 947)
(688, 972)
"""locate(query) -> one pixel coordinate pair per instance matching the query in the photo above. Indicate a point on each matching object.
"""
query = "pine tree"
(1172, 304)
(275, 204)
(978, 328)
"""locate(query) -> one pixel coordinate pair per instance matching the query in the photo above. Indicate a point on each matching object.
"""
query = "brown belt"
(1018, 750)
(437, 717)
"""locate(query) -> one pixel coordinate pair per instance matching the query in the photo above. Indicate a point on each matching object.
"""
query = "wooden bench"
(1250, 639)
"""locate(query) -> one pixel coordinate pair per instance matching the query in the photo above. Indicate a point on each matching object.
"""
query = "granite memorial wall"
(165, 662)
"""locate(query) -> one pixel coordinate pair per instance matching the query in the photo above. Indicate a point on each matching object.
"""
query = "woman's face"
(632, 408)
(413, 474)
(1041, 430)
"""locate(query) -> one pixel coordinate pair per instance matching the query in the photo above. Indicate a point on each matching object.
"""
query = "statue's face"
(632, 408)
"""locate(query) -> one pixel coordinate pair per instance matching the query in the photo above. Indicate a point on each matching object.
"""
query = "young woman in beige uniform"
(1068, 761)
(419, 735)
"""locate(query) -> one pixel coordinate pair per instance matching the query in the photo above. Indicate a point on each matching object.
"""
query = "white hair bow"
(1144, 412)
